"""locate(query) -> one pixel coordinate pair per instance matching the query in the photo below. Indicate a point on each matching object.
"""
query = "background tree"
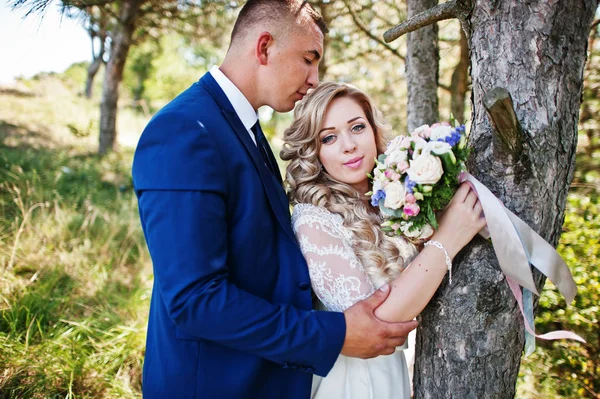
(422, 65)
(133, 21)
(472, 334)
(98, 29)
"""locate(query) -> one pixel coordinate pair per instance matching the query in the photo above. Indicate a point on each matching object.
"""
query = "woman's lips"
(354, 163)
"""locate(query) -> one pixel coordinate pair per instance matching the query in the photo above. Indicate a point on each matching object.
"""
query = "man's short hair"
(255, 12)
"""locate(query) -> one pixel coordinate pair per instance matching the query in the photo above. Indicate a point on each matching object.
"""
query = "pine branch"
(371, 35)
(448, 10)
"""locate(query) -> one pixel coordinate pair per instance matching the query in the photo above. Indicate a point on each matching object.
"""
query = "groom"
(230, 314)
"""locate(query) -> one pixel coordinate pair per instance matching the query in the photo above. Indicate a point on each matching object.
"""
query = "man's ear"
(263, 45)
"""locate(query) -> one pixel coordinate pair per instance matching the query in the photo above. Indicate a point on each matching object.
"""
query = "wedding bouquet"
(417, 176)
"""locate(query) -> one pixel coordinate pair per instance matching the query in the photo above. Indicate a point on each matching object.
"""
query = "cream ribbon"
(516, 246)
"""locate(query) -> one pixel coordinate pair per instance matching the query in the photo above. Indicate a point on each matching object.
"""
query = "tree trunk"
(325, 13)
(91, 74)
(120, 44)
(95, 65)
(460, 81)
(422, 61)
(471, 334)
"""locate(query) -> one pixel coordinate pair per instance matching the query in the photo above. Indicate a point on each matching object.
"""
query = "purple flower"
(409, 185)
(379, 195)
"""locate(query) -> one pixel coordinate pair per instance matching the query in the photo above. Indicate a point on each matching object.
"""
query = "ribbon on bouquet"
(517, 246)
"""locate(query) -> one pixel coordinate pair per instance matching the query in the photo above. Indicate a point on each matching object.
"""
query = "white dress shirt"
(241, 105)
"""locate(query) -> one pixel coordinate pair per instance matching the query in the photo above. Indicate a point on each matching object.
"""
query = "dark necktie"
(265, 151)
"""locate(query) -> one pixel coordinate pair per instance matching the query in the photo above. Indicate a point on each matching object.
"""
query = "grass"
(75, 276)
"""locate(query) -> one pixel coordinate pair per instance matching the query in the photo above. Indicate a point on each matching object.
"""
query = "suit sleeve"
(186, 231)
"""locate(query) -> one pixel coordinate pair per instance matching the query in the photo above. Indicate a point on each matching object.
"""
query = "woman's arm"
(413, 289)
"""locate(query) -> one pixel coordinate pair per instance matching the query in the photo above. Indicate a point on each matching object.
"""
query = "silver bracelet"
(439, 245)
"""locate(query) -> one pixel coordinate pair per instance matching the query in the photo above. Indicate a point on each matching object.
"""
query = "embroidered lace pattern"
(337, 276)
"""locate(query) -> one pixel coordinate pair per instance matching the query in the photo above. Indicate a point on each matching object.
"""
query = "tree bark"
(121, 42)
(471, 334)
(91, 74)
(422, 62)
(97, 58)
(460, 81)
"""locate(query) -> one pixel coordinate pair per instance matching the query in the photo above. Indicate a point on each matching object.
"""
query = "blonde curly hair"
(382, 257)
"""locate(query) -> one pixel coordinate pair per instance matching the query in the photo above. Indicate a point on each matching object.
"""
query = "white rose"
(438, 147)
(394, 195)
(427, 169)
(394, 145)
(395, 157)
(441, 132)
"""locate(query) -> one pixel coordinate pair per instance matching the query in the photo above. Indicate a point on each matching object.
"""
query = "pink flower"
(405, 143)
(422, 131)
(395, 176)
(403, 166)
(388, 173)
(410, 199)
(412, 209)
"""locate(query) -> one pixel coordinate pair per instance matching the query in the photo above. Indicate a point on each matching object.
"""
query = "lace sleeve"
(336, 274)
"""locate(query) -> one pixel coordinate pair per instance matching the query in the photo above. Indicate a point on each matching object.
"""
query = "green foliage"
(568, 368)
(75, 271)
(158, 71)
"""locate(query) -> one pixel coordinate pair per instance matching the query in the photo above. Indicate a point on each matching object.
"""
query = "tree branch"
(448, 10)
(366, 30)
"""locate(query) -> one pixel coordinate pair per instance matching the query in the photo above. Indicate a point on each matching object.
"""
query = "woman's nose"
(349, 145)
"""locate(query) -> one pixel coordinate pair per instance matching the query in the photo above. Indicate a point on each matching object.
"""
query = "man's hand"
(366, 335)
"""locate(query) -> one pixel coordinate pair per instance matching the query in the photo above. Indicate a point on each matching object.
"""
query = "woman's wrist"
(447, 259)
(447, 242)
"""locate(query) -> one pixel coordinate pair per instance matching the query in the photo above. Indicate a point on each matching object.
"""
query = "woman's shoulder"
(311, 214)
(305, 210)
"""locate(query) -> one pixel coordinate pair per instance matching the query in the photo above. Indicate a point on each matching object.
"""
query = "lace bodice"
(337, 275)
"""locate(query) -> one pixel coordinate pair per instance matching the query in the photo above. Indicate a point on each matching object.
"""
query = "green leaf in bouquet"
(431, 217)
(463, 142)
(442, 196)
(381, 158)
(448, 161)
(453, 121)
(397, 213)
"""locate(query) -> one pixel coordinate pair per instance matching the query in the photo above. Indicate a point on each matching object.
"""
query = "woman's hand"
(462, 219)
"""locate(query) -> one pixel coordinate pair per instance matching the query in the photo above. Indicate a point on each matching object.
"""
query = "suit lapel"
(274, 190)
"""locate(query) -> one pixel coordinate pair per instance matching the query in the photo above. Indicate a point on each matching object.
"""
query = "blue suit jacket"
(230, 315)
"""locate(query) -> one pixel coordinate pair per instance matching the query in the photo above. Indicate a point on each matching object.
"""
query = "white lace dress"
(338, 280)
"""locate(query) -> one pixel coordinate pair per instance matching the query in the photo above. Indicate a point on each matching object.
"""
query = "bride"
(331, 145)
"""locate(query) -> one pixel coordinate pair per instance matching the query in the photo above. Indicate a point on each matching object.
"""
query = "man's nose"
(313, 77)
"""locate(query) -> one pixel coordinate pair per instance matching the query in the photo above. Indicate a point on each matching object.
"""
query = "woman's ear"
(263, 44)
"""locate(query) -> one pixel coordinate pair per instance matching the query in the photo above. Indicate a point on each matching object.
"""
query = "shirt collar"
(240, 103)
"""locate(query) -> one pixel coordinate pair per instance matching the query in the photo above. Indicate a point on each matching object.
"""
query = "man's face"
(293, 67)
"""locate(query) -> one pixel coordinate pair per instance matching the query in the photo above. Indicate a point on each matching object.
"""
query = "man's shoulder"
(196, 101)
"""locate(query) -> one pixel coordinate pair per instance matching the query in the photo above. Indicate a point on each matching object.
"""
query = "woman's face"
(348, 148)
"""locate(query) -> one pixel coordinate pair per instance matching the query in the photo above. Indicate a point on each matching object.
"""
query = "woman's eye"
(328, 139)
(358, 128)
(309, 62)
